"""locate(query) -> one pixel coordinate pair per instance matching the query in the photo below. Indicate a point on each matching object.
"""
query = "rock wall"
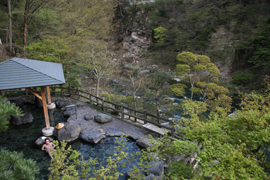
(138, 38)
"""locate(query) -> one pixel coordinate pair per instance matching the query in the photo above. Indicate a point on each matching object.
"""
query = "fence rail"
(139, 117)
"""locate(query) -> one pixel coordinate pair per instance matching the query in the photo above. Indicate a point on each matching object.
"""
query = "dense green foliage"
(226, 31)
(6, 110)
(202, 77)
(14, 166)
(68, 164)
(158, 92)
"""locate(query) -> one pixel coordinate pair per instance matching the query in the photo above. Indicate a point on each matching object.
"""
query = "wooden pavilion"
(25, 73)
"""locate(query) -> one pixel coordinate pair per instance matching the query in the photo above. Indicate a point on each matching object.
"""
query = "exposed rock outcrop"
(40, 141)
(88, 117)
(157, 168)
(69, 132)
(62, 102)
(138, 38)
(27, 118)
(102, 118)
(92, 137)
(143, 142)
(70, 110)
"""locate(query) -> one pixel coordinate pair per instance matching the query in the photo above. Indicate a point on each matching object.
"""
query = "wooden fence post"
(79, 97)
(90, 99)
(26, 92)
(145, 116)
(122, 111)
(103, 107)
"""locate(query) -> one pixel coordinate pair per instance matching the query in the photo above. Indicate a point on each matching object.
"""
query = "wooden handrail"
(102, 101)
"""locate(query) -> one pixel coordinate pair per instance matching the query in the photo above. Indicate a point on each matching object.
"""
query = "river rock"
(61, 102)
(149, 177)
(157, 168)
(92, 137)
(27, 118)
(69, 132)
(133, 136)
(143, 142)
(88, 117)
(103, 118)
(40, 141)
(70, 110)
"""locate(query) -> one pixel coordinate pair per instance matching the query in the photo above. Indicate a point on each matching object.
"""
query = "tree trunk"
(10, 27)
(26, 11)
(157, 108)
(97, 87)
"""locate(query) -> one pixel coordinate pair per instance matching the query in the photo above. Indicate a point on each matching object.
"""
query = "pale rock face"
(138, 39)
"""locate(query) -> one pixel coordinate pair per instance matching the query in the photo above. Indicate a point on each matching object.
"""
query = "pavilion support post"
(50, 105)
(44, 103)
(49, 95)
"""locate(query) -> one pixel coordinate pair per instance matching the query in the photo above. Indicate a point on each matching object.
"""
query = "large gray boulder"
(157, 168)
(143, 142)
(69, 132)
(70, 110)
(27, 118)
(61, 102)
(92, 137)
(88, 117)
(40, 141)
(150, 177)
(103, 118)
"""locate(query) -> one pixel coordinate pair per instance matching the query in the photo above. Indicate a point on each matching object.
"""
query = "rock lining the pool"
(112, 128)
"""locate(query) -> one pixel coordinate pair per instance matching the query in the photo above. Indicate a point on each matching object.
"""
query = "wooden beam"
(35, 93)
(49, 95)
(44, 103)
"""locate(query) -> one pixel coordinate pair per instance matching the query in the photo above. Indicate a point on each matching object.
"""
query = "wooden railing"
(139, 117)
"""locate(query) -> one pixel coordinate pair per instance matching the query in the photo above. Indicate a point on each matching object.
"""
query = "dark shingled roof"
(24, 73)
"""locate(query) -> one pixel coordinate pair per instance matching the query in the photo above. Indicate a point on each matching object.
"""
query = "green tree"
(158, 90)
(97, 62)
(160, 35)
(14, 166)
(56, 49)
(202, 76)
(6, 110)
(67, 164)
(230, 147)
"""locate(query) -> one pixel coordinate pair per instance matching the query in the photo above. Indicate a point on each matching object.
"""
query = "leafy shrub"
(242, 78)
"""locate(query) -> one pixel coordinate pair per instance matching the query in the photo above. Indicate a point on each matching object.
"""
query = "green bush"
(243, 78)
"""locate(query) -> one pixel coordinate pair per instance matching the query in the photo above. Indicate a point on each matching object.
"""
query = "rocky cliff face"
(220, 42)
(138, 38)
